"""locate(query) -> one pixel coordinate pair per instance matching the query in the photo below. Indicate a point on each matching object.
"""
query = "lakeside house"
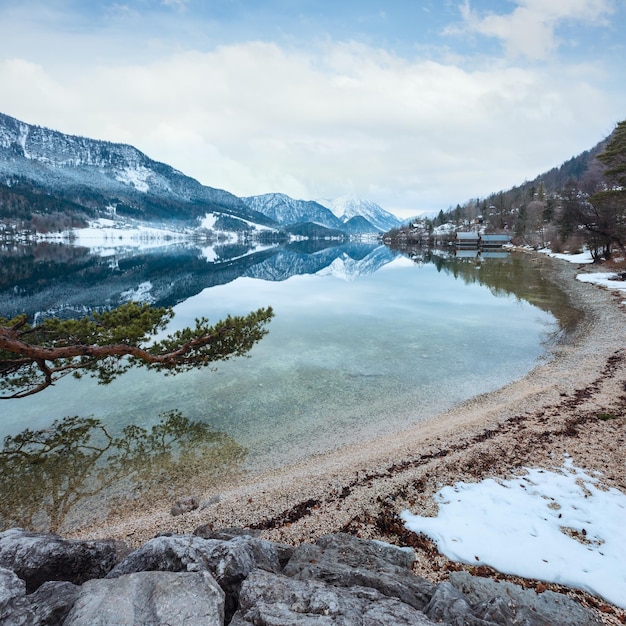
(474, 240)
(469, 240)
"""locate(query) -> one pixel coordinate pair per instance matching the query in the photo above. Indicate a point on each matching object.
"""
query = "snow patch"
(609, 280)
(209, 221)
(136, 176)
(555, 526)
(582, 257)
(104, 234)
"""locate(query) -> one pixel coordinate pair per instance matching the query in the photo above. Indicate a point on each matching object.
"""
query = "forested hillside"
(580, 203)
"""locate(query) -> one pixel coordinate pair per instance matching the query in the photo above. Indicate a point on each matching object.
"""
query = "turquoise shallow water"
(356, 350)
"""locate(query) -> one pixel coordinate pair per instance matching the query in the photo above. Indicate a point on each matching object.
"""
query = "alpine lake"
(366, 341)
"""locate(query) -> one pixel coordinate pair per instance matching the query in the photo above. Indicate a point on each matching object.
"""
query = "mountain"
(350, 215)
(51, 181)
(358, 224)
(68, 173)
(315, 231)
(348, 207)
(285, 210)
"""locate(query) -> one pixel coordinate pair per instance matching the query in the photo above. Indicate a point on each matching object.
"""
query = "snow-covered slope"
(347, 207)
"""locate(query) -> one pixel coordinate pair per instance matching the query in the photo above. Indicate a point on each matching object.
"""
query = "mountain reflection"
(64, 475)
(69, 281)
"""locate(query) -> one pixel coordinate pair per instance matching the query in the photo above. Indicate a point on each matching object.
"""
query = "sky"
(414, 104)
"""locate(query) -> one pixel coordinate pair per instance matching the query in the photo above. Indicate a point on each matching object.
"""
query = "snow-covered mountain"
(100, 175)
(347, 214)
(285, 210)
(347, 207)
(46, 172)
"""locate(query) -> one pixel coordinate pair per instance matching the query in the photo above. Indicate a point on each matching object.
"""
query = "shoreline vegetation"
(556, 411)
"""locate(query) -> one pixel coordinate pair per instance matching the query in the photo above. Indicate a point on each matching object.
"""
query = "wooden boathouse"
(478, 241)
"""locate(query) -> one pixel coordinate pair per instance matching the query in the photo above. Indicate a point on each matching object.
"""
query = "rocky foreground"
(233, 577)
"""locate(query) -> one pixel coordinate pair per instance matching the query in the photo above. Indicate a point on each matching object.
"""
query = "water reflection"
(58, 477)
(504, 274)
(70, 281)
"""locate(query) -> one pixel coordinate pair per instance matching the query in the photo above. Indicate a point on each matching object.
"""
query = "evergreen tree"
(108, 344)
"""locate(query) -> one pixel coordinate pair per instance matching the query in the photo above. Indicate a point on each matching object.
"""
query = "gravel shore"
(534, 422)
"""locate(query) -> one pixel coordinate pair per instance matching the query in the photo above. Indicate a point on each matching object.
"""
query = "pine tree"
(105, 345)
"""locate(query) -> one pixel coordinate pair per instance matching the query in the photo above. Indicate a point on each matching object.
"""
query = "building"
(475, 241)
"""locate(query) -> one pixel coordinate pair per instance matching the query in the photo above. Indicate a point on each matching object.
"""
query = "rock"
(498, 611)
(530, 608)
(37, 558)
(207, 532)
(213, 576)
(449, 606)
(152, 598)
(225, 534)
(48, 606)
(346, 561)
(184, 505)
(269, 599)
(228, 561)
(11, 586)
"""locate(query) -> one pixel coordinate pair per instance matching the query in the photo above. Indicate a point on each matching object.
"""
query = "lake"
(366, 341)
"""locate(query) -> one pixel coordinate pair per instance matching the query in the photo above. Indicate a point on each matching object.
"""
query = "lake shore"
(535, 422)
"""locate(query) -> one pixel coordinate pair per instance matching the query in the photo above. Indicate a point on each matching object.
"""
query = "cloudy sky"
(414, 104)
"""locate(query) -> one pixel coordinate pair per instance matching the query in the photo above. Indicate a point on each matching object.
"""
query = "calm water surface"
(364, 342)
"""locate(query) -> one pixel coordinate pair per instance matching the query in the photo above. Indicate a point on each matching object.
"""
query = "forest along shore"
(538, 421)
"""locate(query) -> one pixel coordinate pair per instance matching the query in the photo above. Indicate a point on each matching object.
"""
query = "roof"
(501, 237)
(472, 236)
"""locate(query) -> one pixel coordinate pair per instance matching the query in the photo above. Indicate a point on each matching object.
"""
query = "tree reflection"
(76, 469)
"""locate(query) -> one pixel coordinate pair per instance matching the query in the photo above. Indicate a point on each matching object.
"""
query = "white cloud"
(342, 118)
(530, 29)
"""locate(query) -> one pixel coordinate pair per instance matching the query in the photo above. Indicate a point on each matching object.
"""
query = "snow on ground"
(137, 176)
(609, 280)
(104, 234)
(582, 257)
(606, 279)
(527, 526)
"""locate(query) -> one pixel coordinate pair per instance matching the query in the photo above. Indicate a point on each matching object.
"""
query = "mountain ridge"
(45, 171)
(120, 174)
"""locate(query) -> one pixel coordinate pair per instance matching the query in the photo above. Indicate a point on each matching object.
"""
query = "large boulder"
(449, 606)
(269, 599)
(48, 606)
(226, 534)
(11, 586)
(346, 561)
(490, 598)
(154, 598)
(37, 558)
(229, 562)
